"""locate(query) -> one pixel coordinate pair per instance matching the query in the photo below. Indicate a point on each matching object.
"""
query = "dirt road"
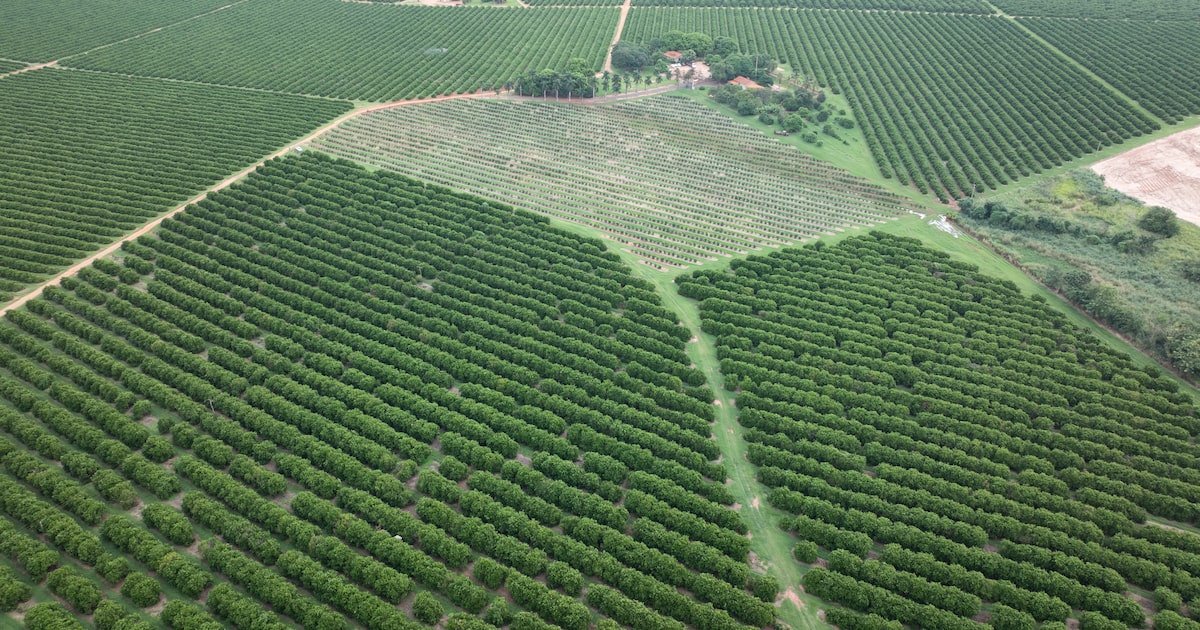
(225, 183)
(36, 66)
(616, 37)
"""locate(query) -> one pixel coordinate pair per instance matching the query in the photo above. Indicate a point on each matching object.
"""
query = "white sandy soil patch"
(1163, 173)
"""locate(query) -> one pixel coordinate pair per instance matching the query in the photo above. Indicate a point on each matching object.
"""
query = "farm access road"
(616, 37)
(225, 183)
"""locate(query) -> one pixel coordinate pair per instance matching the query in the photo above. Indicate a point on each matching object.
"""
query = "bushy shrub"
(1160, 221)
(141, 589)
(805, 551)
(427, 609)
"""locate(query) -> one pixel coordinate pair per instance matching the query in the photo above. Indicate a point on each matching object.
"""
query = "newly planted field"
(347, 396)
(671, 180)
(573, 3)
(952, 453)
(41, 30)
(1115, 9)
(953, 104)
(87, 158)
(937, 6)
(1156, 63)
(363, 51)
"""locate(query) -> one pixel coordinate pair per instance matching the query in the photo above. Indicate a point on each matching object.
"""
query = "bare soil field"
(1163, 173)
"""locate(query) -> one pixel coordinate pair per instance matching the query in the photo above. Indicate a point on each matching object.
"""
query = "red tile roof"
(745, 83)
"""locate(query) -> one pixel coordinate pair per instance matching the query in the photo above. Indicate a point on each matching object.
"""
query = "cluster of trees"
(31, 555)
(78, 591)
(226, 603)
(177, 569)
(576, 80)
(1143, 70)
(1013, 458)
(141, 589)
(636, 57)
(51, 616)
(1088, 224)
(12, 590)
(915, 115)
(181, 615)
(457, 53)
(85, 213)
(1156, 223)
(173, 525)
(532, 339)
(110, 615)
(799, 110)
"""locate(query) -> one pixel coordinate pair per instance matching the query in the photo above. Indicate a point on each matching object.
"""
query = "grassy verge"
(852, 155)
(971, 250)
(770, 545)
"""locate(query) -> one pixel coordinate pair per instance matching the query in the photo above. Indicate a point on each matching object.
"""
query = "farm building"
(745, 84)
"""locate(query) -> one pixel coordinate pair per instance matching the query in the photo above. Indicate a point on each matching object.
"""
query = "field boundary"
(154, 30)
(1191, 388)
(37, 289)
(30, 68)
(607, 67)
(1075, 62)
(771, 545)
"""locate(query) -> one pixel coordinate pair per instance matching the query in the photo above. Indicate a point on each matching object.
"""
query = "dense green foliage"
(571, 3)
(1134, 268)
(41, 30)
(952, 115)
(651, 194)
(88, 158)
(141, 589)
(321, 329)
(1156, 63)
(9, 66)
(51, 616)
(1123, 9)
(949, 6)
(893, 396)
(363, 51)
(13, 591)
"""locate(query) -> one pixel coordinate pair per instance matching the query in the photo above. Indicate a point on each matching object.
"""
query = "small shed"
(673, 56)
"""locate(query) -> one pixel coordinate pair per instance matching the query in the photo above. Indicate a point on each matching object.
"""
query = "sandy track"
(225, 183)
(1165, 173)
(36, 66)
(616, 36)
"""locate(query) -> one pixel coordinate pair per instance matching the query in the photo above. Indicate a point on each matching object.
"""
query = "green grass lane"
(771, 546)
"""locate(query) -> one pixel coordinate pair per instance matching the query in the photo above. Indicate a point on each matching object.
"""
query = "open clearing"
(1163, 173)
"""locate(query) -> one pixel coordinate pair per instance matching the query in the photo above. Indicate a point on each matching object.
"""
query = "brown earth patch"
(1165, 173)
(792, 596)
